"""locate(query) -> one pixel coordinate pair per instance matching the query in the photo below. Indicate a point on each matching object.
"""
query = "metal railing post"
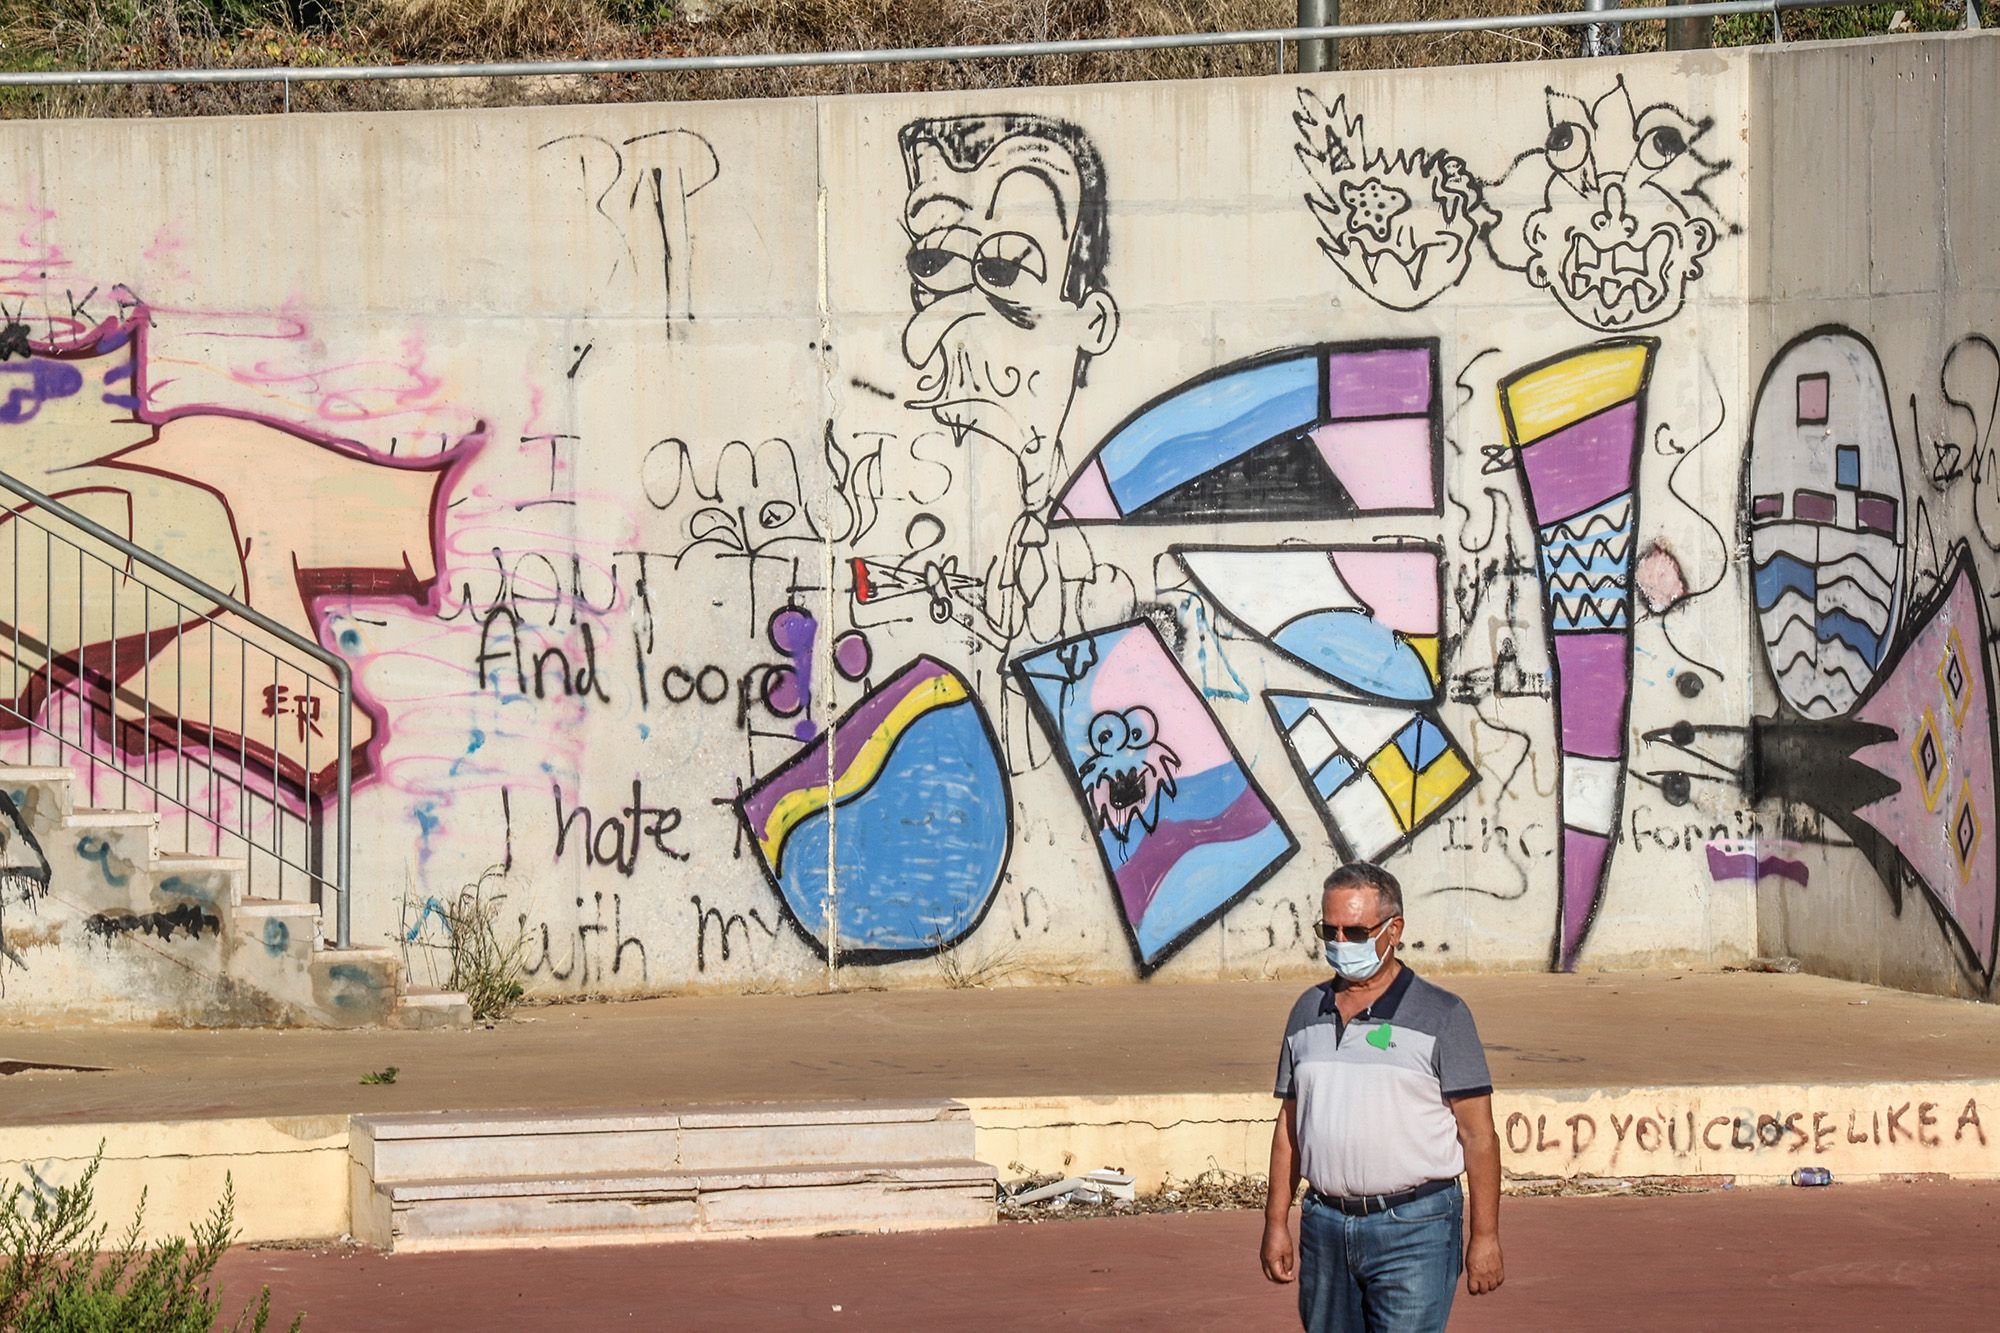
(1696, 34)
(1318, 54)
(1603, 39)
(343, 863)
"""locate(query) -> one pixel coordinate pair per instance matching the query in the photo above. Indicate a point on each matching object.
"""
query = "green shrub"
(56, 1276)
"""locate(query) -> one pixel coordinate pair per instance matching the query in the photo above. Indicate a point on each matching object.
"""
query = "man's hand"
(1483, 1269)
(1281, 1258)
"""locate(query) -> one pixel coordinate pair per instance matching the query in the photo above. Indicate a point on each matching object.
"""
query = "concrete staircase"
(98, 924)
(444, 1181)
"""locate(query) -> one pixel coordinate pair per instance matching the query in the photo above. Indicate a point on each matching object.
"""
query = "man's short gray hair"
(1368, 875)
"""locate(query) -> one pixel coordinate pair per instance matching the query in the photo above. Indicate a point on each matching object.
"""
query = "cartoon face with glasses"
(1008, 239)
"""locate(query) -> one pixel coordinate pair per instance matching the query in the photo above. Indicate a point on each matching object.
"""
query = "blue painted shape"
(1193, 432)
(93, 848)
(1332, 775)
(919, 852)
(1847, 467)
(1204, 876)
(1420, 743)
(1782, 574)
(1357, 650)
(1838, 626)
(277, 935)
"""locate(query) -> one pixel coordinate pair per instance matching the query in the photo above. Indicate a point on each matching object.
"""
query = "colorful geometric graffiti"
(1329, 431)
(1377, 775)
(924, 821)
(1576, 423)
(1909, 777)
(226, 494)
(1183, 829)
(1364, 617)
(1825, 494)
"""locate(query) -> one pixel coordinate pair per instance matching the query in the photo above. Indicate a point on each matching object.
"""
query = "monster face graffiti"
(1402, 229)
(1623, 223)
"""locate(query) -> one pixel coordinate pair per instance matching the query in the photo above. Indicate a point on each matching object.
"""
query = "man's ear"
(1100, 323)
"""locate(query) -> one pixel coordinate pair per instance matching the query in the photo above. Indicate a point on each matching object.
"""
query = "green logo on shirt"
(1379, 1036)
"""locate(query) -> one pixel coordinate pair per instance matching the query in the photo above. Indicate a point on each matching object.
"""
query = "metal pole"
(1318, 54)
(1602, 39)
(1695, 34)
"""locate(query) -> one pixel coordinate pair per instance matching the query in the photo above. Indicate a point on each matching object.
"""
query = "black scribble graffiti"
(1402, 229)
(1527, 757)
(724, 923)
(1666, 444)
(857, 382)
(642, 187)
(1969, 385)
(1621, 217)
(586, 947)
(581, 353)
(24, 870)
(188, 917)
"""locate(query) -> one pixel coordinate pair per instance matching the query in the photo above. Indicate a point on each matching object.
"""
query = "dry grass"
(81, 34)
(78, 34)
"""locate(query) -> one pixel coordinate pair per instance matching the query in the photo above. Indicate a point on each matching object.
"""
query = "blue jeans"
(1388, 1272)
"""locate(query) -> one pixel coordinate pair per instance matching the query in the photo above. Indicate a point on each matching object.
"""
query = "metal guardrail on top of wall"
(63, 646)
(1277, 37)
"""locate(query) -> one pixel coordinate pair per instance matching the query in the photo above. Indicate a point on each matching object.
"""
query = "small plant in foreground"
(380, 1076)
(56, 1276)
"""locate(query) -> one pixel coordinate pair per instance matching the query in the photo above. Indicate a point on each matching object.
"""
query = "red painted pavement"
(1848, 1257)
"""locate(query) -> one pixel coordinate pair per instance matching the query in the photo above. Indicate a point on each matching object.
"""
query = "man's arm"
(1483, 1269)
(1281, 1260)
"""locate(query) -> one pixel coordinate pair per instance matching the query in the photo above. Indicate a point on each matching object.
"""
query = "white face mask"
(1354, 962)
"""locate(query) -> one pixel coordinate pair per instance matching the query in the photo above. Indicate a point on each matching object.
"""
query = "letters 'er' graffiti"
(1909, 776)
(1575, 423)
(1364, 617)
(1377, 775)
(281, 519)
(904, 805)
(1619, 220)
(1826, 520)
(1182, 828)
(1329, 431)
(1402, 229)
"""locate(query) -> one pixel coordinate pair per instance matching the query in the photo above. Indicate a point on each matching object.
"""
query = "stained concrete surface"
(1542, 1031)
(1852, 1257)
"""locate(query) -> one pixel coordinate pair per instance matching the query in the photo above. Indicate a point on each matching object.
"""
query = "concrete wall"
(1068, 486)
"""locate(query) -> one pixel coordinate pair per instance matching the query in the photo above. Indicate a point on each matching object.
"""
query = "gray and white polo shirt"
(1374, 1095)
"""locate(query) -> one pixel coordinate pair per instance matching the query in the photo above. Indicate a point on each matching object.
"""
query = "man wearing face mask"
(1385, 1100)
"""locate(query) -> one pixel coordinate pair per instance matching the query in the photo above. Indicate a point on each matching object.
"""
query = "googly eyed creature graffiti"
(1620, 222)
(1128, 770)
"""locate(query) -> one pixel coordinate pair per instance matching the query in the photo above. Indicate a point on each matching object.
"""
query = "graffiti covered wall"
(1028, 537)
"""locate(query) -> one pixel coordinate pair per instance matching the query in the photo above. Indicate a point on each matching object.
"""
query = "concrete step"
(425, 1007)
(447, 1145)
(637, 1205)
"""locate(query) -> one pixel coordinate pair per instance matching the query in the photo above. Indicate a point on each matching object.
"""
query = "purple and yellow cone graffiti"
(1575, 423)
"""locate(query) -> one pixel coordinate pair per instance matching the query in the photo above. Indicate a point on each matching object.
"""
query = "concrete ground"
(1542, 1031)
(1852, 1257)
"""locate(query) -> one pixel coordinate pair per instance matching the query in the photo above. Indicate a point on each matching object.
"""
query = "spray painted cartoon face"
(1623, 222)
(1128, 770)
(1401, 228)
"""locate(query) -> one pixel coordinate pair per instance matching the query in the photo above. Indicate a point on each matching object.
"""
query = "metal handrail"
(289, 74)
(343, 674)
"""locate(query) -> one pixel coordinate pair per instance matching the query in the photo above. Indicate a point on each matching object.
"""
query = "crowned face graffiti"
(1401, 228)
(1622, 223)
